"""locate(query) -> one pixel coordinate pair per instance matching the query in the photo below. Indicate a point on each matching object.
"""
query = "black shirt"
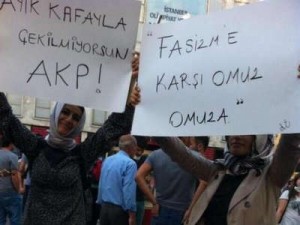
(216, 211)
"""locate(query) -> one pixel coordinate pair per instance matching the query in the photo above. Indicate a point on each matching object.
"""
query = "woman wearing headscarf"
(243, 188)
(57, 163)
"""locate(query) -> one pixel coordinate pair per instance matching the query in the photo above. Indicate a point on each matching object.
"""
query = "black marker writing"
(232, 37)
(62, 74)
(24, 6)
(100, 72)
(178, 119)
(58, 73)
(177, 82)
(169, 46)
(82, 71)
(72, 44)
(81, 16)
(42, 73)
(238, 76)
(66, 14)
(98, 90)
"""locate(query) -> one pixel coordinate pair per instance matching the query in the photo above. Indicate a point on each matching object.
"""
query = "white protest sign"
(71, 51)
(232, 72)
(175, 10)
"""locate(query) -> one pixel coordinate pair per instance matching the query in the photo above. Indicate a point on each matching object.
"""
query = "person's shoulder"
(123, 156)
(131, 161)
(4, 154)
(155, 154)
(11, 156)
(158, 152)
(285, 194)
(112, 157)
(128, 162)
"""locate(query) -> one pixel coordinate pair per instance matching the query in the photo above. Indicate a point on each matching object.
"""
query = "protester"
(288, 212)
(174, 188)
(58, 164)
(117, 188)
(199, 144)
(56, 179)
(242, 189)
(10, 184)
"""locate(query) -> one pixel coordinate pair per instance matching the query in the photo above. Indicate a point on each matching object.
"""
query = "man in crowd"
(174, 188)
(10, 184)
(117, 188)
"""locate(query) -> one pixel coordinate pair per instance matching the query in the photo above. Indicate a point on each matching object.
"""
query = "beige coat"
(255, 200)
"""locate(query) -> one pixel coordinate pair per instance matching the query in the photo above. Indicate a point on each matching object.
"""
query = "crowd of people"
(177, 200)
(242, 188)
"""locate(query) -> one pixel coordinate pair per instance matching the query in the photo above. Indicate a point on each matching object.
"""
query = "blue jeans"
(10, 207)
(167, 216)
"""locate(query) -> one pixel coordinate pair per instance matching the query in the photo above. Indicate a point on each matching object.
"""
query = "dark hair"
(202, 140)
(292, 191)
(5, 139)
(81, 108)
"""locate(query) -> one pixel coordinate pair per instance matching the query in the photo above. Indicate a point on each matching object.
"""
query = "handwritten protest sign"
(233, 72)
(72, 51)
(175, 10)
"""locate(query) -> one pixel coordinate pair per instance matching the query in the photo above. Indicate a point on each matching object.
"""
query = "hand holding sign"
(135, 96)
(135, 64)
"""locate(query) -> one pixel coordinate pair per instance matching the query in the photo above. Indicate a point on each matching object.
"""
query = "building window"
(99, 117)
(16, 104)
(42, 108)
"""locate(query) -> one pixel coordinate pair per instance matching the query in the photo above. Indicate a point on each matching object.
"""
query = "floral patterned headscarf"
(262, 149)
